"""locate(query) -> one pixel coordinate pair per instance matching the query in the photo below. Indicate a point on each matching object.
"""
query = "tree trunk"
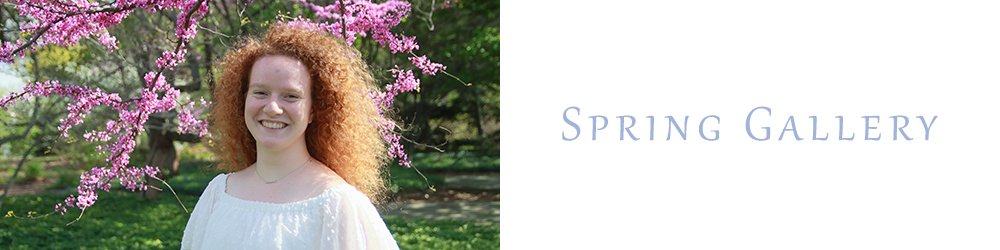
(421, 122)
(479, 115)
(162, 154)
(209, 57)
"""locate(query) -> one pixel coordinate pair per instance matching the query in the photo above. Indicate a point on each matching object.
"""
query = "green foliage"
(194, 151)
(13, 123)
(444, 234)
(466, 39)
(81, 153)
(65, 180)
(31, 171)
(34, 171)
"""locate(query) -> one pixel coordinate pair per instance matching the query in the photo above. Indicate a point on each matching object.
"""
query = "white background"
(724, 58)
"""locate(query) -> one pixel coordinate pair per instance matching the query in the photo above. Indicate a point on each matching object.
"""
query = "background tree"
(466, 37)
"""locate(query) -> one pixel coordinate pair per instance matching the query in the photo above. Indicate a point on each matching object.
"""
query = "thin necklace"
(255, 169)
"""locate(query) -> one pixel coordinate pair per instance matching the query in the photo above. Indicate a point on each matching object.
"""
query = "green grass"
(193, 178)
(116, 221)
(401, 178)
(124, 221)
(444, 234)
(462, 161)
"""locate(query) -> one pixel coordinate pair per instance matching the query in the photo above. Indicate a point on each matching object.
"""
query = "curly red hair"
(342, 135)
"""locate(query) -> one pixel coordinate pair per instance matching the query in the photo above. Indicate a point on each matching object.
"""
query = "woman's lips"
(273, 125)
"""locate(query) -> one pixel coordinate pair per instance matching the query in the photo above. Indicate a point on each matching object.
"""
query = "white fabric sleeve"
(350, 221)
(194, 232)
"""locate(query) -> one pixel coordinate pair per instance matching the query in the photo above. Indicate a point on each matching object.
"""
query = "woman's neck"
(274, 161)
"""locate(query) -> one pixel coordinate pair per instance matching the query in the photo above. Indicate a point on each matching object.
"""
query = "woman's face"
(278, 102)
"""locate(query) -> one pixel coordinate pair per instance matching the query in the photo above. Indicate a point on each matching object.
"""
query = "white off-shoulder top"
(340, 218)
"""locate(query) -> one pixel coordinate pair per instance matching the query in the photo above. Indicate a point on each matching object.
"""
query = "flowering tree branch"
(63, 26)
(65, 23)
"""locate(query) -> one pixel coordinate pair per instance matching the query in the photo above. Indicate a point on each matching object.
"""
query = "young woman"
(292, 118)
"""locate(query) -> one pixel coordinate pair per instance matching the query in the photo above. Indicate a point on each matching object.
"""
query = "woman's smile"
(273, 125)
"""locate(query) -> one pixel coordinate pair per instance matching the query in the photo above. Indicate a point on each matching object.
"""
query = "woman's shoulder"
(219, 179)
(217, 182)
(320, 175)
(345, 195)
(342, 191)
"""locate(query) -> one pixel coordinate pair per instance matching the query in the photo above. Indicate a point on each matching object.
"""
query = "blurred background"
(449, 200)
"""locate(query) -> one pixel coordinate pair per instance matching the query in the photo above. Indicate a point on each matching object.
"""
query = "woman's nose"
(272, 108)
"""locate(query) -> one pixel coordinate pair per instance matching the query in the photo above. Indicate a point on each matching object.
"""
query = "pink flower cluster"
(427, 66)
(100, 179)
(169, 59)
(448, 4)
(364, 18)
(405, 82)
(64, 23)
(189, 118)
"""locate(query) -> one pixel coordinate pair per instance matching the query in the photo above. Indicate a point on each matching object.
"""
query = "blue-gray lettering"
(791, 121)
(897, 128)
(571, 123)
(927, 127)
(701, 127)
(767, 130)
(650, 127)
(815, 128)
(673, 122)
(868, 127)
(595, 125)
(842, 130)
(626, 129)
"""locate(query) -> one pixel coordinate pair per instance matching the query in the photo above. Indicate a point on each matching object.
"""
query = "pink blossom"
(188, 117)
(404, 44)
(427, 66)
(169, 59)
(65, 23)
(364, 18)
(448, 4)
(405, 82)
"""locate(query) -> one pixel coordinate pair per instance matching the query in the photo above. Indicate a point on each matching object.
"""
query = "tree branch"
(30, 123)
(39, 34)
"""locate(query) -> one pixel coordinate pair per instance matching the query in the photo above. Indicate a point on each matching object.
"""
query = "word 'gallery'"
(762, 133)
